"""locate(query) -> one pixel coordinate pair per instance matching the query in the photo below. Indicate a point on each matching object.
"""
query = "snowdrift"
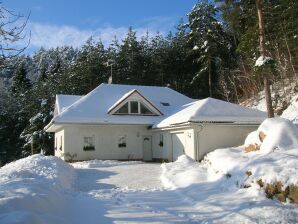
(273, 165)
(33, 190)
(274, 162)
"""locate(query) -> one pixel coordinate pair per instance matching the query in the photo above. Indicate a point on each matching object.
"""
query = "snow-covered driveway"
(128, 193)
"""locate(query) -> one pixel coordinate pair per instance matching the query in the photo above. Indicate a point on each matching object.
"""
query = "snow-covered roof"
(212, 110)
(64, 101)
(93, 108)
(175, 108)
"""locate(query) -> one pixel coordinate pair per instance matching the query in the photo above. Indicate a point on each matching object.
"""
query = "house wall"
(59, 148)
(106, 138)
(215, 136)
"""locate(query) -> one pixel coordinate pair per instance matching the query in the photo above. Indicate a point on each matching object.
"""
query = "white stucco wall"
(106, 141)
(215, 136)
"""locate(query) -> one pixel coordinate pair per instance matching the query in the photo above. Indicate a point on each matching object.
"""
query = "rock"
(251, 148)
(262, 136)
(293, 194)
(248, 173)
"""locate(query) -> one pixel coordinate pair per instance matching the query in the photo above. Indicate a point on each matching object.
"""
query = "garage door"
(178, 141)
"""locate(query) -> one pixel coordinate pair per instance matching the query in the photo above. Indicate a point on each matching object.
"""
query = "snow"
(276, 160)
(41, 189)
(195, 48)
(64, 101)
(32, 190)
(291, 112)
(213, 110)
(262, 60)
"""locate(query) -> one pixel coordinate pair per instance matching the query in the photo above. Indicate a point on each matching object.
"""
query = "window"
(56, 143)
(122, 141)
(160, 140)
(134, 107)
(145, 110)
(123, 109)
(89, 143)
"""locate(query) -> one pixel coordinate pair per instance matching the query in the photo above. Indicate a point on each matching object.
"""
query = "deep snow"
(40, 189)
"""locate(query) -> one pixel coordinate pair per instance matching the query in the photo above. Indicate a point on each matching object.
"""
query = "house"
(146, 123)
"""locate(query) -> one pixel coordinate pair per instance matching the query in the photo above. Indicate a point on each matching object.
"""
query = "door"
(178, 141)
(147, 148)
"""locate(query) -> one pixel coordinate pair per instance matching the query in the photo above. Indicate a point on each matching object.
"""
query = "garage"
(178, 143)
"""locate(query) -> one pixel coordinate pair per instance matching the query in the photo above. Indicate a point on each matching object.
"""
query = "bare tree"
(263, 52)
(12, 27)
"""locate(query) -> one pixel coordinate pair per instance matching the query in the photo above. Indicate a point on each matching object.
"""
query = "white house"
(146, 123)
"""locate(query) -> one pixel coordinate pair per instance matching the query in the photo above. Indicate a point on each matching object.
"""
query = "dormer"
(134, 103)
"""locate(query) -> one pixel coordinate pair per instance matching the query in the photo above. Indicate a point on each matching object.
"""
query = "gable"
(134, 103)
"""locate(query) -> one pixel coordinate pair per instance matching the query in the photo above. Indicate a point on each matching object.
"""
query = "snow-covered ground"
(41, 189)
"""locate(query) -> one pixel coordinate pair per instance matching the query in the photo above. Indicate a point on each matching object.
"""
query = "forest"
(212, 53)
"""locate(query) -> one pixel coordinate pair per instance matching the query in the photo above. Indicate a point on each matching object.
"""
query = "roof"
(93, 108)
(175, 107)
(213, 110)
(64, 101)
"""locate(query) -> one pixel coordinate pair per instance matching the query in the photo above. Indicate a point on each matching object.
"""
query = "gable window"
(145, 110)
(122, 141)
(89, 143)
(134, 107)
(123, 109)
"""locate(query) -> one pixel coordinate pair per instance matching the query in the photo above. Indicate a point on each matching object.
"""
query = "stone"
(251, 148)
(293, 194)
(262, 136)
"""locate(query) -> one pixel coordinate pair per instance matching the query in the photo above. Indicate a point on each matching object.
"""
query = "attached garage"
(206, 125)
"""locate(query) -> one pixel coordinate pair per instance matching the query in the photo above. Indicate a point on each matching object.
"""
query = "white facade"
(106, 141)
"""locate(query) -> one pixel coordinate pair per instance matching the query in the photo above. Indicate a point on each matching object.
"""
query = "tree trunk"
(270, 112)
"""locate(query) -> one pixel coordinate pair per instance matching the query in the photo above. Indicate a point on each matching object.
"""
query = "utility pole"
(263, 52)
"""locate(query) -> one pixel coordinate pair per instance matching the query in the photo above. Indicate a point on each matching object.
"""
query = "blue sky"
(70, 22)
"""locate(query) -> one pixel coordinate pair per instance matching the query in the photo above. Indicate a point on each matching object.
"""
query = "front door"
(147, 148)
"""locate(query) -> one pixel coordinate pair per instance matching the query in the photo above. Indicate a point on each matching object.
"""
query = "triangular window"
(144, 109)
(123, 109)
(134, 107)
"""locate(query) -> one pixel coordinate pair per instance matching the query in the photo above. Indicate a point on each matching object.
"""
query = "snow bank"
(32, 190)
(183, 173)
(102, 163)
(277, 159)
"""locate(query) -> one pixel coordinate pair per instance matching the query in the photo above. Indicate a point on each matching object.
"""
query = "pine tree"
(209, 41)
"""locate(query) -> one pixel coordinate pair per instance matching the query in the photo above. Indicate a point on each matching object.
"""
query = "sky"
(55, 23)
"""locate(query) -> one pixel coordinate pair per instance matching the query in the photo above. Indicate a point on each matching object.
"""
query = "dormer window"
(134, 107)
(134, 103)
